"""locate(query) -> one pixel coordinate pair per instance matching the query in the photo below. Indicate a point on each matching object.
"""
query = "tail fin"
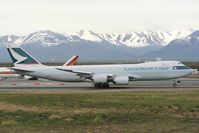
(72, 61)
(20, 56)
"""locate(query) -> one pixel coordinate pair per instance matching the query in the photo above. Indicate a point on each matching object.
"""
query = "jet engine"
(123, 80)
(100, 78)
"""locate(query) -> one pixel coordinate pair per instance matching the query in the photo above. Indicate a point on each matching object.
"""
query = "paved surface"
(13, 84)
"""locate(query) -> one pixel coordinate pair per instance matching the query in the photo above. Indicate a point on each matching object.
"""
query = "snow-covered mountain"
(44, 38)
(90, 45)
(186, 48)
(134, 39)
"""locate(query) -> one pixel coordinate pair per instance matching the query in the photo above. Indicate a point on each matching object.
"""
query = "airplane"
(7, 73)
(100, 75)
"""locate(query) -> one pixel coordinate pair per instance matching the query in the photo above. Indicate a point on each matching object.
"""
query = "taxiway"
(19, 84)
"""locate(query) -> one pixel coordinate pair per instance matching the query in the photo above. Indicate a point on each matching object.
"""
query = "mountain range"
(49, 46)
(186, 48)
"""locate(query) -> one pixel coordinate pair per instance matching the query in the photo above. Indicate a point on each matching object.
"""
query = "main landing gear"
(175, 83)
(101, 85)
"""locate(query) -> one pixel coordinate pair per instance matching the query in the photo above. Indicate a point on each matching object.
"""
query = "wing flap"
(79, 73)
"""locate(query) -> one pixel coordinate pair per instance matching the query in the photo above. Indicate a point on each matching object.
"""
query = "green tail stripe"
(21, 52)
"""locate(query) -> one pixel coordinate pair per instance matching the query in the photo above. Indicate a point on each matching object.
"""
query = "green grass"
(119, 111)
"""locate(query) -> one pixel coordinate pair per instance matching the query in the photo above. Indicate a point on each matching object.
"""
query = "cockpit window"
(181, 67)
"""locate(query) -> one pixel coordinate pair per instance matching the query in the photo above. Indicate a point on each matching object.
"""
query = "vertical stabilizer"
(20, 56)
(72, 61)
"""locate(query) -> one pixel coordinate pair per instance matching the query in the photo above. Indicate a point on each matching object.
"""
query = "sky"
(110, 16)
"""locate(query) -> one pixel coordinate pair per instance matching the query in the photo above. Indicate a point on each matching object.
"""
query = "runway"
(20, 84)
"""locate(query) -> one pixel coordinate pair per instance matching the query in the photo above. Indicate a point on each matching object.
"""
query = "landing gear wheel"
(175, 85)
(98, 85)
(101, 85)
(105, 85)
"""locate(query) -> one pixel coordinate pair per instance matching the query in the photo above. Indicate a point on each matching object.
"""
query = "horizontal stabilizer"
(21, 70)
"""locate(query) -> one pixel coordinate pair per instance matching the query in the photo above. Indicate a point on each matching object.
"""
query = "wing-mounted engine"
(100, 78)
(122, 80)
(104, 78)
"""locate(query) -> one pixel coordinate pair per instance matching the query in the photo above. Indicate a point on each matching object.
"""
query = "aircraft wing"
(79, 73)
(89, 75)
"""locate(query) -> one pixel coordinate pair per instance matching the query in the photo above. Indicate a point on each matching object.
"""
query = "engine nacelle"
(100, 78)
(122, 80)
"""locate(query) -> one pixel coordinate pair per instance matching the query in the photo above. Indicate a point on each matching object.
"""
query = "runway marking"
(13, 84)
(54, 85)
(61, 84)
(37, 83)
(49, 83)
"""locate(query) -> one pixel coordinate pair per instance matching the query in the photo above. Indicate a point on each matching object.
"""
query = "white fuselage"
(160, 70)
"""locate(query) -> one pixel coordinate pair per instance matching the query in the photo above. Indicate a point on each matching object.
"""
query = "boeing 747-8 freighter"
(100, 75)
